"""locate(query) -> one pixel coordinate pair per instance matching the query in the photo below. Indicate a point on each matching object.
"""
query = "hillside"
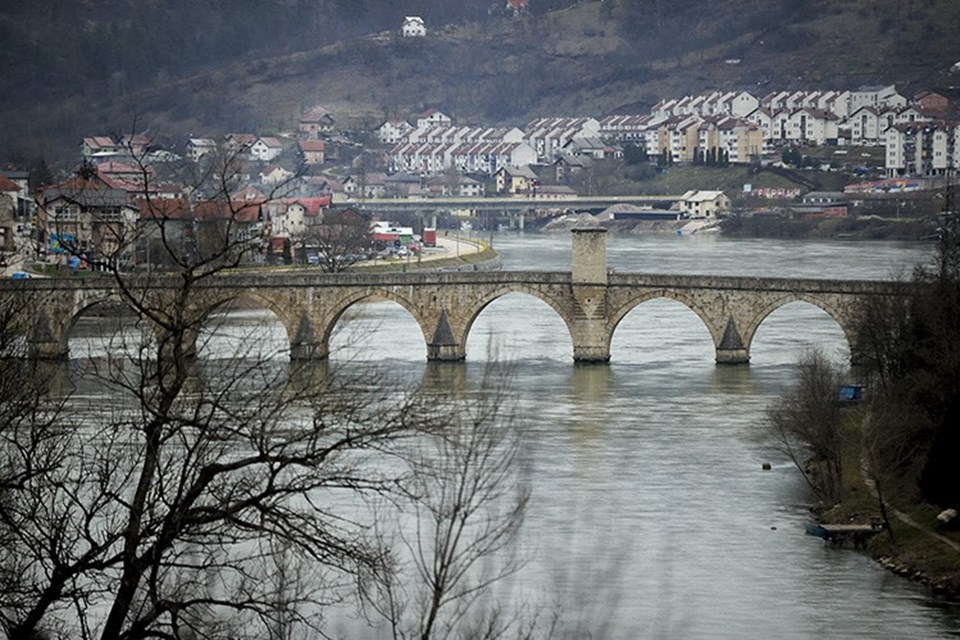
(207, 72)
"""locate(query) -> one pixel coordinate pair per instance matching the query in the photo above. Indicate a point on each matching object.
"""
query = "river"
(651, 515)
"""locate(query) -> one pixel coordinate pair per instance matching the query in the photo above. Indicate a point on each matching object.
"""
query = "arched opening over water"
(519, 326)
(662, 333)
(244, 329)
(108, 329)
(377, 331)
(793, 329)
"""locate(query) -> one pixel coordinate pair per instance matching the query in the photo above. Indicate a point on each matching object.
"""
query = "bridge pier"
(47, 350)
(309, 351)
(590, 354)
(733, 356)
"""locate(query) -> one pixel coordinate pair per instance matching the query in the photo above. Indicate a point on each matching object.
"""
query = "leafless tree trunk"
(805, 425)
(160, 508)
(469, 500)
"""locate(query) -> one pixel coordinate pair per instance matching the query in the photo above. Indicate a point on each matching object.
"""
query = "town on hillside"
(284, 184)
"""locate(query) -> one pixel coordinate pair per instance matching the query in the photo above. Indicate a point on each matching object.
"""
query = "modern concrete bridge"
(506, 205)
(589, 299)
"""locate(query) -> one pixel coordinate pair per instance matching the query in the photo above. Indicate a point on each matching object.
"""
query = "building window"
(67, 213)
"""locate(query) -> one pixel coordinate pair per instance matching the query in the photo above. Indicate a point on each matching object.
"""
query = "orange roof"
(180, 209)
(6, 184)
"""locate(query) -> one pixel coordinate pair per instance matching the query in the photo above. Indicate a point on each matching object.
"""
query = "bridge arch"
(253, 299)
(688, 301)
(329, 321)
(689, 306)
(478, 307)
(835, 312)
(62, 328)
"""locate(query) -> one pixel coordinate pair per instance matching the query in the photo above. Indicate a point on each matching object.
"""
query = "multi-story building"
(922, 148)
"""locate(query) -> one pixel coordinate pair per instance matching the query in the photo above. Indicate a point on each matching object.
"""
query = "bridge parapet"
(589, 299)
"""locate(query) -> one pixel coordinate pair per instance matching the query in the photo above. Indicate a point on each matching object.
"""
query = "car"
(20, 275)
(313, 259)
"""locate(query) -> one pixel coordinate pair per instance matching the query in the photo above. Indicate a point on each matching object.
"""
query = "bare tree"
(342, 239)
(805, 425)
(469, 498)
(165, 503)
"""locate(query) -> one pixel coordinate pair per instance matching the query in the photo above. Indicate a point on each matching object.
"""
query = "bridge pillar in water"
(732, 349)
(443, 345)
(307, 351)
(733, 356)
(45, 340)
(591, 339)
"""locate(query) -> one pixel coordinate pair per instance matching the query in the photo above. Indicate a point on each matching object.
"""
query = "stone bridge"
(589, 299)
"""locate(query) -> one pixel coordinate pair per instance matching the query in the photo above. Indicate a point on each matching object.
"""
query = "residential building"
(275, 175)
(391, 131)
(515, 180)
(413, 27)
(922, 149)
(199, 147)
(293, 216)
(432, 117)
(97, 147)
(86, 217)
(266, 148)
(548, 136)
(314, 122)
(371, 184)
(312, 152)
(704, 204)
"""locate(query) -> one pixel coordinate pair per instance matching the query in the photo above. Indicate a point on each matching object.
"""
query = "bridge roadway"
(589, 299)
(510, 205)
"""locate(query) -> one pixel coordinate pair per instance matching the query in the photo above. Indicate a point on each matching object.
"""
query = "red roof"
(313, 206)
(180, 209)
(6, 184)
(312, 145)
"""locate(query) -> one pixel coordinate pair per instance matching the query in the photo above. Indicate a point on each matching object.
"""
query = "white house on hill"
(413, 27)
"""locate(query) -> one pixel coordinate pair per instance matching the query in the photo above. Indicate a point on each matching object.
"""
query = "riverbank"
(736, 225)
(913, 546)
(869, 227)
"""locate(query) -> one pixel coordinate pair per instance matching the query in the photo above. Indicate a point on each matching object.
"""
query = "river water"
(651, 516)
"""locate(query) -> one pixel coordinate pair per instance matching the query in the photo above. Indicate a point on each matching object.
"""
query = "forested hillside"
(180, 66)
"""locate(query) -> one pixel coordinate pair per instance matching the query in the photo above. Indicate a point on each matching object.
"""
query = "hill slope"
(592, 58)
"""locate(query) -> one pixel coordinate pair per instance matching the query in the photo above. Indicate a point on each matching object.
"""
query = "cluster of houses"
(738, 127)
(431, 155)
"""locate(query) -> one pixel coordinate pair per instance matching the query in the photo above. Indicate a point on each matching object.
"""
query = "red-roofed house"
(205, 228)
(314, 122)
(312, 151)
(94, 146)
(123, 176)
(298, 215)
